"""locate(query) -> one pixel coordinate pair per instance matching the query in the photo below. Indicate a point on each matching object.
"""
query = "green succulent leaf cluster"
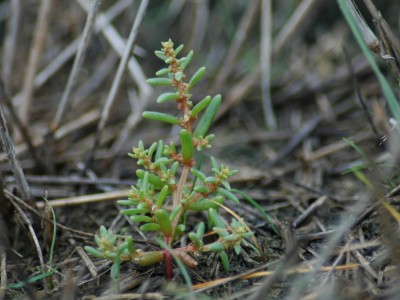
(170, 182)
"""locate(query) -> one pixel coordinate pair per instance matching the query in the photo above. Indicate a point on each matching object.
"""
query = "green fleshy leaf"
(164, 222)
(150, 258)
(167, 97)
(178, 49)
(159, 81)
(162, 195)
(229, 237)
(178, 76)
(94, 252)
(228, 195)
(150, 227)
(130, 246)
(160, 55)
(223, 233)
(211, 180)
(152, 179)
(122, 247)
(174, 168)
(205, 204)
(151, 150)
(201, 189)
(143, 205)
(187, 148)
(145, 184)
(199, 107)
(186, 60)
(210, 138)
(200, 230)
(237, 249)
(180, 228)
(214, 164)
(98, 240)
(172, 148)
(226, 185)
(195, 240)
(216, 218)
(142, 219)
(115, 270)
(196, 77)
(224, 260)
(248, 234)
(163, 168)
(152, 115)
(133, 211)
(160, 148)
(126, 202)
(198, 174)
(205, 122)
(161, 161)
(174, 212)
(216, 247)
(103, 231)
(163, 72)
(112, 255)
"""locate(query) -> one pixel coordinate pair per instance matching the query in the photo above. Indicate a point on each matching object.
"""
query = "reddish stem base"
(168, 264)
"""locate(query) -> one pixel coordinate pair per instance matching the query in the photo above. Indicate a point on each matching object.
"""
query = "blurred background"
(288, 53)
(290, 74)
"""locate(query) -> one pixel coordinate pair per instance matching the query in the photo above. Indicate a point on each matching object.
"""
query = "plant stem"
(176, 221)
(178, 195)
(168, 265)
(168, 260)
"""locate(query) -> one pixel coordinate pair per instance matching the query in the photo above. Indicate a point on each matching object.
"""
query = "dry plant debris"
(304, 118)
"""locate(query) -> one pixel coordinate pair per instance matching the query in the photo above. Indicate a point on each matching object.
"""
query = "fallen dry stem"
(85, 199)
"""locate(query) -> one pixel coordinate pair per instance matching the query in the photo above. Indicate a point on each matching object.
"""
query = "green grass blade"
(259, 208)
(355, 147)
(387, 90)
(30, 280)
(53, 240)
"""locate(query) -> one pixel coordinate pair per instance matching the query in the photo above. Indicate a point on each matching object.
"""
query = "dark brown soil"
(325, 172)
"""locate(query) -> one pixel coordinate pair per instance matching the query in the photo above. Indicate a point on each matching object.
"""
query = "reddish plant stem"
(168, 259)
(184, 106)
(168, 265)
